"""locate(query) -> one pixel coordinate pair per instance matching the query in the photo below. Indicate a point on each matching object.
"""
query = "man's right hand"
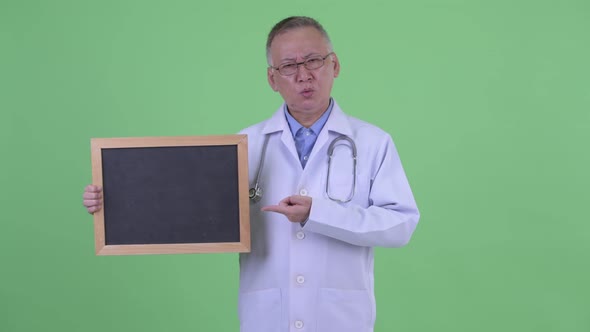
(92, 198)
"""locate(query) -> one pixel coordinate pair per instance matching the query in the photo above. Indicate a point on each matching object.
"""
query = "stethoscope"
(255, 192)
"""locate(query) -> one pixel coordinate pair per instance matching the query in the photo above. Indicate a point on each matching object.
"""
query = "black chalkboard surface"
(171, 194)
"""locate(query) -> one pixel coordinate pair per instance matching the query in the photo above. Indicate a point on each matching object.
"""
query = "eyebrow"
(309, 55)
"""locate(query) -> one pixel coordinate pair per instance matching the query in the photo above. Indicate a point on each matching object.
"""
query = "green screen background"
(488, 103)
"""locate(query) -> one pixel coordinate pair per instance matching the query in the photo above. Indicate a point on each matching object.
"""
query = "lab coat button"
(303, 192)
(298, 324)
(300, 279)
(300, 235)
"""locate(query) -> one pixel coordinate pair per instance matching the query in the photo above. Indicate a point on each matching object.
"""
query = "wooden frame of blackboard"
(121, 145)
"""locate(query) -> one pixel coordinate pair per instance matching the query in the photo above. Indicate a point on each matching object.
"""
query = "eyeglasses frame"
(303, 63)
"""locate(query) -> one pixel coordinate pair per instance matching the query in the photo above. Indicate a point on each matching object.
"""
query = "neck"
(307, 118)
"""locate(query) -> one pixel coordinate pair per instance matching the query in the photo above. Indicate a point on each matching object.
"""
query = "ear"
(336, 64)
(271, 79)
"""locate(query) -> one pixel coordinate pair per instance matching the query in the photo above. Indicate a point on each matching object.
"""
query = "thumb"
(300, 200)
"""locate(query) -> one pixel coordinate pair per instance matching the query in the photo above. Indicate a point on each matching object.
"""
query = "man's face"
(307, 92)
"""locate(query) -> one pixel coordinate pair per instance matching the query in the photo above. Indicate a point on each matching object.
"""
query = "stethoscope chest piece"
(255, 194)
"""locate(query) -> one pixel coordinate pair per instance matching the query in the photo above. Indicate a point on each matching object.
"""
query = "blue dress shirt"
(305, 137)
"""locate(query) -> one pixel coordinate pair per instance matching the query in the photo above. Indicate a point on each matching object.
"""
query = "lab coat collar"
(337, 122)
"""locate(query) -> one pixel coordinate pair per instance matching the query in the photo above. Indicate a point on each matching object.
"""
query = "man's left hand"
(296, 208)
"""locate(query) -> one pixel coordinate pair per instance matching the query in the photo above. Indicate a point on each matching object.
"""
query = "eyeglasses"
(288, 69)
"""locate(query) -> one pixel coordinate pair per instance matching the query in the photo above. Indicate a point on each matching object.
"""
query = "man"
(311, 264)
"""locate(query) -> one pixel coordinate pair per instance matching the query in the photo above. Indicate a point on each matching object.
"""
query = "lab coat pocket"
(340, 192)
(260, 311)
(345, 310)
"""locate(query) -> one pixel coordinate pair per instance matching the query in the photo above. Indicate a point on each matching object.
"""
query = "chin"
(306, 104)
(308, 107)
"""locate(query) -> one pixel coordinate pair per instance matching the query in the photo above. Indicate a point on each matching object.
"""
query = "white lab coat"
(319, 278)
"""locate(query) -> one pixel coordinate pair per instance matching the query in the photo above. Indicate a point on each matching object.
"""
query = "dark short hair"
(291, 23)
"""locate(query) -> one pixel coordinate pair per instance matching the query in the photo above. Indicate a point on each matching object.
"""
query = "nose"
(303, 74)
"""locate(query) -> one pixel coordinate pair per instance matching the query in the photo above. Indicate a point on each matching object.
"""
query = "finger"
(92, 202)
(285, 201)
(300, 200)
(93, 209)
(275, 208)
(92, 195)
(293, 200)
(92, 188)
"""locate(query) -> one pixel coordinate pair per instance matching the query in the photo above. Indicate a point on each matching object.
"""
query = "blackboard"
(164, 195)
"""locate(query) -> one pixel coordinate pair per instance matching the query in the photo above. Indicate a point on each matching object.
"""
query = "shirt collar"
(316, 127)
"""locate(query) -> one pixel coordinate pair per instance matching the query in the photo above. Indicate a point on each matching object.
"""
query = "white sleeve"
(388, 221)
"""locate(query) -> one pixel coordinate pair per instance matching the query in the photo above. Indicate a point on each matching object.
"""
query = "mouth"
(307, 93)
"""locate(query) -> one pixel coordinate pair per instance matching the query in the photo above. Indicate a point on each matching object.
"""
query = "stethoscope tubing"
(255, 193)
(330, 154)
